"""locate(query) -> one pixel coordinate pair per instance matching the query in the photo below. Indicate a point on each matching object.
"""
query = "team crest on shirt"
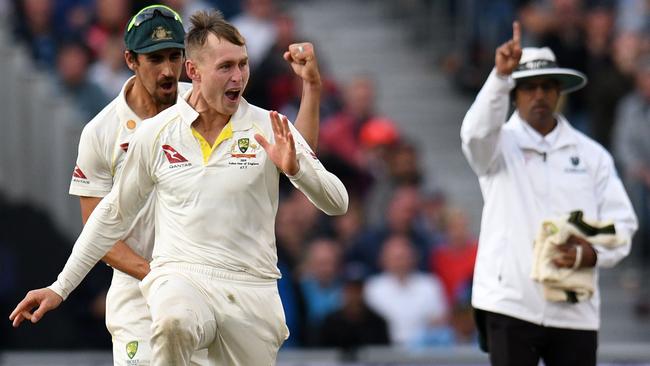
(131, 349)
(243, 144)
(78, 176)
(575, 160)
(243, 153)
(175, 159)
(576, 166)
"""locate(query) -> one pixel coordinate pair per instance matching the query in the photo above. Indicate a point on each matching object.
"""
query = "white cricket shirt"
(526, 178)
(102, 148)
(218, 212)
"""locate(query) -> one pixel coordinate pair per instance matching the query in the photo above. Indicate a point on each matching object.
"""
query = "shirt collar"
(124, 111)
(561, 136)
(240, 121)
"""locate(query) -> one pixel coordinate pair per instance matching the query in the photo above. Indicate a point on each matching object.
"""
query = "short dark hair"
(205, 22)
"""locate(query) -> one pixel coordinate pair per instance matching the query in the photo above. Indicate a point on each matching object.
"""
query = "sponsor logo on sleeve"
(78, 176)
(176, 160)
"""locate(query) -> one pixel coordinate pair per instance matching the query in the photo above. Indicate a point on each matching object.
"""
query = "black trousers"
(514, 342)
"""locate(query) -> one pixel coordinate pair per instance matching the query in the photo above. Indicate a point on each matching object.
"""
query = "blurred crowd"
(397, 268)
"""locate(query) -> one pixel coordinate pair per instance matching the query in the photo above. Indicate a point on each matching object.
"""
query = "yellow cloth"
(568, 284)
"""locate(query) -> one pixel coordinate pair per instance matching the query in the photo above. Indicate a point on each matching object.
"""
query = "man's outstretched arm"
(106, 225)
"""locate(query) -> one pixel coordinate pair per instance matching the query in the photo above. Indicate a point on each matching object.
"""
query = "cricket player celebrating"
(154, 40)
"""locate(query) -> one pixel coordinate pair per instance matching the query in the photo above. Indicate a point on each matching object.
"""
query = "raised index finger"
(516, 33)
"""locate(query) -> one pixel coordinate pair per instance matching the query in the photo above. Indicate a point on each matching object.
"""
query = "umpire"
(534, 167)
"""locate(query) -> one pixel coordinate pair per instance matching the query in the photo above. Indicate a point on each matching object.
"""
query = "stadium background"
(422, 61)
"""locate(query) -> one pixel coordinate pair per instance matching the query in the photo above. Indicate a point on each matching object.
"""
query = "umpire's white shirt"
(218, 212)
(526, 178)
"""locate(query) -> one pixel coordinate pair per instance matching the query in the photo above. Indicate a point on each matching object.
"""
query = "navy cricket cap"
(154, 28)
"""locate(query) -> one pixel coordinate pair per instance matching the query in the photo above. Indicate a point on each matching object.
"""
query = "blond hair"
(205, 22)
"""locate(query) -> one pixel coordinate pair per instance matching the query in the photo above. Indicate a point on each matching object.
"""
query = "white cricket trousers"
(238, 317)
(129, 322)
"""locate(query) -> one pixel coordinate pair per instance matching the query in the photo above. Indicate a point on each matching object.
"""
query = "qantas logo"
(124, 146)
(174, 157)
(77, 173)
(78, 176)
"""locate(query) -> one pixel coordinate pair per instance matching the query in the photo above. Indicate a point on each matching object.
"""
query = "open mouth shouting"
(233, 94)
(167, 86)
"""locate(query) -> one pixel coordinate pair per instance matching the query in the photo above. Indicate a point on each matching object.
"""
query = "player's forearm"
(308, 119)
(124, 259)
(98, 236)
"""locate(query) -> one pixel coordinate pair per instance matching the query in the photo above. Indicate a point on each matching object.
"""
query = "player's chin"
(167, 97)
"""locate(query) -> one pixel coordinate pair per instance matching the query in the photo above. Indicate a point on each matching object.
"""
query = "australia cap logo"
(161, 34)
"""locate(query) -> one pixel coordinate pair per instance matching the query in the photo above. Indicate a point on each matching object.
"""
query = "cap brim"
(160, 46)
(571, 80)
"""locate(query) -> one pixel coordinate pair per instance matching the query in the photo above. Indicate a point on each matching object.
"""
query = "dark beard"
(167, 99)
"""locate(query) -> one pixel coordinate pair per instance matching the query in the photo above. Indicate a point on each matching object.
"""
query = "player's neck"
(209, 118)
(141, 102)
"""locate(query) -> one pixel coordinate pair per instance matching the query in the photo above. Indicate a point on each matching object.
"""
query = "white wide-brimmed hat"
(541, 62)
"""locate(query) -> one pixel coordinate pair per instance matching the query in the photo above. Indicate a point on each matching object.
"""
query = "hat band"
(535, 65)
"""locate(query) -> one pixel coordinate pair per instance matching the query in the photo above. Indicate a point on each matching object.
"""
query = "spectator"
(347, 229)
(633, 16)
(72, 65)
(276, 84)
(401, 217)
(607, 83)
(340, 133)
(400, 168)
(291, 237)
(111, 18)
(411, 301)
(72, 16)
(34, 26)
(379, 137)
(633, 153)
(453, 260)
(109, 71)
(321, 284)
(354, 325)
(433, 209)
(257, 24)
